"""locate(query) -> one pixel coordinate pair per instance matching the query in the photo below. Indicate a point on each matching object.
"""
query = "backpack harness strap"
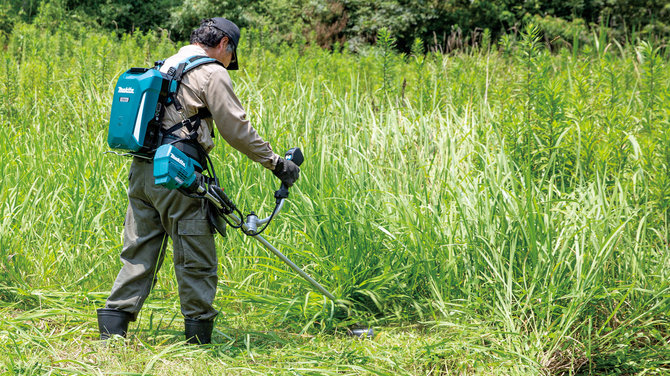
(188, 144)
(175, 75)
(191, 124)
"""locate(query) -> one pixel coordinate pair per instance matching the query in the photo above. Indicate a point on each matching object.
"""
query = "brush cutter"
(173, 169)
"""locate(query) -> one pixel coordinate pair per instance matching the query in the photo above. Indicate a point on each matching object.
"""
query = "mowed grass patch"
(56, 342)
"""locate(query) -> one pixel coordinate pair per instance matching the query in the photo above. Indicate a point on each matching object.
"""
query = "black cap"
(233, 33)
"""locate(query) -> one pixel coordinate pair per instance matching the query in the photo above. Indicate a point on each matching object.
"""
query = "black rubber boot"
(113, 321)
(198, 331)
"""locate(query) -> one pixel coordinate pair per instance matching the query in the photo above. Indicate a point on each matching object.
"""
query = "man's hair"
(207, 34)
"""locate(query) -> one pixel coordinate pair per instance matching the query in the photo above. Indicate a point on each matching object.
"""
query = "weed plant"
(498, 213)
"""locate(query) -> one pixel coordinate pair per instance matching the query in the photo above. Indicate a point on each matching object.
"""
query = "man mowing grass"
(206, 98)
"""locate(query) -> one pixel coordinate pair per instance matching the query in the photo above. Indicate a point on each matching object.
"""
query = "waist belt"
(187, 147)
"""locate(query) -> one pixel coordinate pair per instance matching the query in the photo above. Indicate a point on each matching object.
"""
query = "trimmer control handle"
(294, 155)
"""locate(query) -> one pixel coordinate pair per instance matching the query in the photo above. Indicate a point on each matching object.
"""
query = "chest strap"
(191, 124)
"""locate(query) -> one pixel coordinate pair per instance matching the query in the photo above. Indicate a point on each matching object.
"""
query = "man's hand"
(287, 171)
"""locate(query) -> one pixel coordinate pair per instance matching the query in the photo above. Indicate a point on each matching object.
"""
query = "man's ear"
(223, 43)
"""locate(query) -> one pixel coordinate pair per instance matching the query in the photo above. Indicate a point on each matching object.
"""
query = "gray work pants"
(153, 214)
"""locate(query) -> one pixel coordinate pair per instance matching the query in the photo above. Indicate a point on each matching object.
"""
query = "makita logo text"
(126, 90)
(178, 160)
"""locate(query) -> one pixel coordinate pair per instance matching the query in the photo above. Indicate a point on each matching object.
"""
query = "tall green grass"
(517, 197)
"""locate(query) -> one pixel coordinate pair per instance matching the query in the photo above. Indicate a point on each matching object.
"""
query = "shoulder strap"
(175, 74)
(173, 78)
(191, 63)
(196, 61)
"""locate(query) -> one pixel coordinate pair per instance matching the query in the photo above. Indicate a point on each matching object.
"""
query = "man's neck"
(205, 48)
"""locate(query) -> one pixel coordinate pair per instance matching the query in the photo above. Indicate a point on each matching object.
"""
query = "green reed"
(519, 195)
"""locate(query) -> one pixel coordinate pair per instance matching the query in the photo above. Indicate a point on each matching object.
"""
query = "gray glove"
(287, 171)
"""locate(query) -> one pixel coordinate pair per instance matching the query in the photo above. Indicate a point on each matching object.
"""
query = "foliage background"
(500, 209)
(440, 24)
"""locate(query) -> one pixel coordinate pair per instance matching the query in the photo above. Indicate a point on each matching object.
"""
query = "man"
(154, 212)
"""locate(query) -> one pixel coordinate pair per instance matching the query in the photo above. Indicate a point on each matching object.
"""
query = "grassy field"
(503, 210)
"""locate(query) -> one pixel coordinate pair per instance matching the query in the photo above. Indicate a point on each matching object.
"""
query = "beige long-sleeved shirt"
(209, 86)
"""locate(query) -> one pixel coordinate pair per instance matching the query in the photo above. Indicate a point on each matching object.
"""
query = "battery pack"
(136, 98)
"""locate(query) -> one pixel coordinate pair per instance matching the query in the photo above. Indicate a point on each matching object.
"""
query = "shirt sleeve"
(231, 120)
